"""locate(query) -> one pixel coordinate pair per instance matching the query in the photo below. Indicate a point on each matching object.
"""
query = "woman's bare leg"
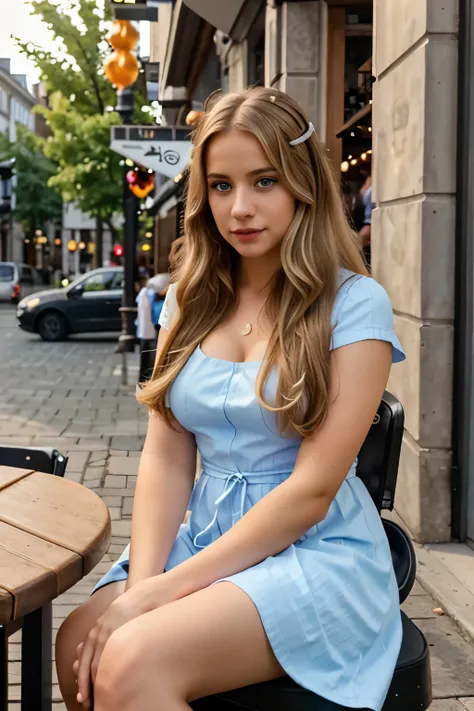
(73, 631)
(209, 642)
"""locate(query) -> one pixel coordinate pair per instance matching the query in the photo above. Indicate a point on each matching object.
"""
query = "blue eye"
(266, 182)
(221, 187)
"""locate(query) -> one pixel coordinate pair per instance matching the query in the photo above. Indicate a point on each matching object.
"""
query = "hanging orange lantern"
(123, 35)
(121, 68)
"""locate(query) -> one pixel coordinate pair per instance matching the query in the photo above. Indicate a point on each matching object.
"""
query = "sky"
(15, 19)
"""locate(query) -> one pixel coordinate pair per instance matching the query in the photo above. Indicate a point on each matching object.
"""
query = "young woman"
(273, 356)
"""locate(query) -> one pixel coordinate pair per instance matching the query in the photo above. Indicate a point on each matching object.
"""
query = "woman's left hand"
(141, 598)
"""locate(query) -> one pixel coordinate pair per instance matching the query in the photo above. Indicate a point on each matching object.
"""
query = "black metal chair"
(41, 459)
(411, 684)
(36, 646)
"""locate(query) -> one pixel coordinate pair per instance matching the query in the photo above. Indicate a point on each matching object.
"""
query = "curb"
(455, 598)
(436, 578)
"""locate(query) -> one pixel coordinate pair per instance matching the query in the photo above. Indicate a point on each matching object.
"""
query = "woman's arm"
(165, 480)
(359, 373)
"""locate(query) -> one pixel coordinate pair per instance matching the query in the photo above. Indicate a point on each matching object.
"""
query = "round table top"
(52, 533)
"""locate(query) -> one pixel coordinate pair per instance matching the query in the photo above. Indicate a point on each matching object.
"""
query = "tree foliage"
(74, 67)
(81, 102)
(89, 173)
(37, 201)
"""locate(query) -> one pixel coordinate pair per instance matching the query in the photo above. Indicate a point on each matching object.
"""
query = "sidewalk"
(69, 395)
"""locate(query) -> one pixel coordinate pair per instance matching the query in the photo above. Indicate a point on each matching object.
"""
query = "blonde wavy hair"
(318, 242)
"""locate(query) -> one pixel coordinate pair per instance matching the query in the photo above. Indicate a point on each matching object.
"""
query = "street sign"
(166, 150)
(137, 10)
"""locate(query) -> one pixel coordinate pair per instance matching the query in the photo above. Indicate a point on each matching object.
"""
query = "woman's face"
(251, 207)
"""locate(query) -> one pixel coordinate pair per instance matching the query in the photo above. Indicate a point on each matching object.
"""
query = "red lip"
(247, 235)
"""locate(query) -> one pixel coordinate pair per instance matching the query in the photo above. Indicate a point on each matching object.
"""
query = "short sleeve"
(170, 308)
(362, 312)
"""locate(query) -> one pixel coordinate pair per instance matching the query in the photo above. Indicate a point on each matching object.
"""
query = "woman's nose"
(243, 205)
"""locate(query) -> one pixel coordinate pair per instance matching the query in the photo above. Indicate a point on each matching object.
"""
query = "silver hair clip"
(301, 139)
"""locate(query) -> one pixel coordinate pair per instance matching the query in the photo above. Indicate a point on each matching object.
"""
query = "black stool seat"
(410, 688)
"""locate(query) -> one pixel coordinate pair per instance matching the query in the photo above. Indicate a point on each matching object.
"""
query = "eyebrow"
(259, 171)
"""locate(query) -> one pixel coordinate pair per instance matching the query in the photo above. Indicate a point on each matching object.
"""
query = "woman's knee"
(75, 629)
(69, 636)
(119, 673)
(130, 665)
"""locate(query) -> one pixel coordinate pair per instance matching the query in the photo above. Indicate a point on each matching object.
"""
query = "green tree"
(89, 173)
(81, 112)
(37, 201)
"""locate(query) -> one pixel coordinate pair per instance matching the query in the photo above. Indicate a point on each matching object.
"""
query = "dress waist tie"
(232, 480)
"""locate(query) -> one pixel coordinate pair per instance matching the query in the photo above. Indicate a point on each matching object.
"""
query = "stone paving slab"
(452, 658)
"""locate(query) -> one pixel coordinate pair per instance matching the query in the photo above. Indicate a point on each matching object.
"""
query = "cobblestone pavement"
(69, 395)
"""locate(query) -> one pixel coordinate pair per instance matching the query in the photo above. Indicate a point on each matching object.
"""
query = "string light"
(345, 165)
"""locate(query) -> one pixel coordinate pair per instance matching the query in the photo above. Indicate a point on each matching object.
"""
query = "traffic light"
(141, 181)
(117, 250)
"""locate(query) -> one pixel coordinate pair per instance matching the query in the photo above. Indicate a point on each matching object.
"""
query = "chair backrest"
(41, 459)
(378, 459)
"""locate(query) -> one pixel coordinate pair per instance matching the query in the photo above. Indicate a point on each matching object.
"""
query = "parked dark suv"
(89, 304)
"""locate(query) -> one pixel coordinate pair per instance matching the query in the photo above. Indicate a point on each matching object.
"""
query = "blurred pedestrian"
(146, 333)
(149, 304)
(157, 287)
(362, 214)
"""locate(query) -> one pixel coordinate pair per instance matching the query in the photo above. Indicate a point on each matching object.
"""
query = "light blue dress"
(329, 602)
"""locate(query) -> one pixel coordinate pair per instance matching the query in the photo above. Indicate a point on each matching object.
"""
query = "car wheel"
(52, 326)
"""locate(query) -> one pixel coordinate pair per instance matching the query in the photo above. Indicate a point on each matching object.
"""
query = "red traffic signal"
(141, 182)
(117, 250)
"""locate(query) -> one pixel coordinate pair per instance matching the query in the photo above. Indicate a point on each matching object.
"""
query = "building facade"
(380, 81)
(16, 103)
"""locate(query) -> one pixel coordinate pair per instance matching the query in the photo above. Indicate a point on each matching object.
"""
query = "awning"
(222, 15)
(167, 196)
(358, 117)
(166, 191)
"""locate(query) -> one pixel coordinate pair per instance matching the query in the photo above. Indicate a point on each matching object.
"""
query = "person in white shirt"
(146, 329)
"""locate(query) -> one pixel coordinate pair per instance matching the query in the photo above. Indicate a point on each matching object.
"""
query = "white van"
(17, 281)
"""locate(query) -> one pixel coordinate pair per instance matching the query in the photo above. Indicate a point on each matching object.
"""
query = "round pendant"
(246, 329)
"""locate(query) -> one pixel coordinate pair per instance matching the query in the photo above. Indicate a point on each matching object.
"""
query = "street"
(68, 395)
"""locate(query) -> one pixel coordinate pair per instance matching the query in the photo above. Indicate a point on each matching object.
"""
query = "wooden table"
(52, 533)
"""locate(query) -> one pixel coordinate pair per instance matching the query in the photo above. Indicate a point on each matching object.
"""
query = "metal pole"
(463, 405)
(128, 310)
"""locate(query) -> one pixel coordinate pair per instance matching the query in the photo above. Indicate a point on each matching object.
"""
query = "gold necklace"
(246, 329)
